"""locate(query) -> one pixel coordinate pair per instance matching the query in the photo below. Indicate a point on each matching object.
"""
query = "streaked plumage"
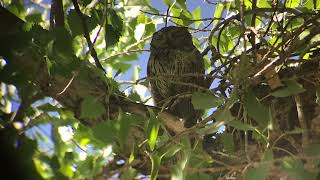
(175, 67)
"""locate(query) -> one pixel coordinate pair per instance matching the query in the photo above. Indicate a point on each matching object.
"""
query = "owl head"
(172, 37)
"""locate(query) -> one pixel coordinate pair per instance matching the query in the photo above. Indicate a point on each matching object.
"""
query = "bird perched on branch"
(175, 70)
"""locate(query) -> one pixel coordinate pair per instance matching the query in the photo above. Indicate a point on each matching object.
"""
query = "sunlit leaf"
(197, 15)
(218, 12)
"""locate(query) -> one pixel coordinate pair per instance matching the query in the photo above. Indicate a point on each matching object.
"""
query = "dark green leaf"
(104, 132)
(34, 17)
(256, 110)
(295, 168)
(91, 107)
(312, 150)
(292, 88)
(112, 36)
(228, 143)
(241, 126)
(204, 100)
(128, 174)
(155, 161)
(75, 23)
(256, 173)
(47, 107)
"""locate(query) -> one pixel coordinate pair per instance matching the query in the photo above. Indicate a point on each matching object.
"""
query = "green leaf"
(292, 88)
(256, 173)
(312, 150)
(104, 132)
(167, 2)
(153, 137)
(197, 15)
(171, 151)
(228, 142)
(295, 168)
(261, 172)
(263, 4)
(112, 36)
(182, 3)
(218, 13)
(184, 15)
(222, 116)
(129, 174)
(204, 100)
(47, 107)
(152, 130)
(256, 110)
(113, 28)
(115, 20)
(75, 23)
(124, 127)
(155, 162)
(34, 17)
(91, 108)
(241, 126)
(292, 3)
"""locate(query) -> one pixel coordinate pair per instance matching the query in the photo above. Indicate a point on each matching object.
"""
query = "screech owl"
(175, 67)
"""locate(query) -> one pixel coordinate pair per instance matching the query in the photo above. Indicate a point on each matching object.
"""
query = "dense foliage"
(68, 110)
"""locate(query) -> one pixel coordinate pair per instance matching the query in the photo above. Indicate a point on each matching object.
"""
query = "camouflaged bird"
(175, 67)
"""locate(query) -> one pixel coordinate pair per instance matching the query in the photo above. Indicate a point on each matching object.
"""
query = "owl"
(175, 69)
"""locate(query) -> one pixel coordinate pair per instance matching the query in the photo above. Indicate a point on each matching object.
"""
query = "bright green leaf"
(197, 15)
(168, 2)
(153, 137)
(292, 3)
(218, 12)
(263, 4)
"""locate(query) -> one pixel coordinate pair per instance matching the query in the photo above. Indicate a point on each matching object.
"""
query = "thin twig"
(87, 36)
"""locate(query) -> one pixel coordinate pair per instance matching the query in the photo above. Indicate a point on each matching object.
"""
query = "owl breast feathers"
(175, 69)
